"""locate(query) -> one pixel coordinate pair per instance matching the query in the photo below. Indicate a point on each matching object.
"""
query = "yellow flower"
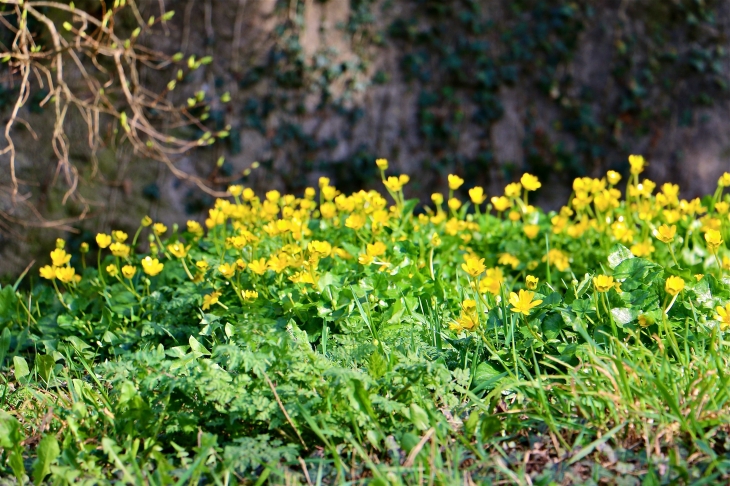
(603, 283)
(48, 272)
(240, 264)
(514, 216)
(435, 240)
(355, 221)
(235, 190)
(119, 249)
(523, 302)
(530, 182)
(112, 270)
(454, 204)
(473, 266)
(151, 266)
(531, 282)
(128, 271)
(84, 248)
(455, 182)
(665, 233)
(302, 277)
(723, 315)
(60, 243)
(365, 259)
(468, 318)
(613, 177)
(713, 239)
(643, 249)
(202, 265)
(119, 236)
(159, 229)
(228, 270)
(376, 249)
(492, 281)
(637, 163)
(437, 198)
(531, 230)
(250, 294)
(382, 164)
(722, 207)
(674, 285)
(66, 274)
(645, 321)
(195, 228)
(477, 195)
(501, 203)
(210, 299)
(146, 221)
(513, 190)
(724, 180)
(698, 276)
(324, 182)
(258, 267)
(321, 248)
(393, 184)
(507, 259)
(178, 249)
(103, 240)
(248, 194)
(59, 257)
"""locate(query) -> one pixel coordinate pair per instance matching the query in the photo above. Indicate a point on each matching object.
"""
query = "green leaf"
(44, 364)
(48, 452)
(198, 348)
(619, 253)
(10, 433)
(21, 368)
(418, 416)
(15, 459)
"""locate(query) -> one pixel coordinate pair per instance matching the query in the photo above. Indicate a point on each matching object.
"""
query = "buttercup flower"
(65, 274)
(146, 221)
(235, 190)
(210, 299)
(119, 236)
(530, 182)
(228, 270)
(84, 247)
(112, 270)
(178, 249)
(250, 294)
(258, 267)
(103, 240)
(128, 271)
(455, 182)
(674, 285)
(665, 233)
(454, 204)
(713, 238)
(477, 195)
(603, 283)
(522, 302)
(321, 248)
(613, 177)
(723, 315)
(151, 266)
(531, 230)
(437, 198)
(48, 272)
(119, 249)
(724, 180)
(637, 164)
(59, 257)
(501, 203)
(382, 164)
(531, 282)
(473, 266)
(159, 229)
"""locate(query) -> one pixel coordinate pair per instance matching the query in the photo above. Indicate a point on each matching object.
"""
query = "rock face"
(483, 89)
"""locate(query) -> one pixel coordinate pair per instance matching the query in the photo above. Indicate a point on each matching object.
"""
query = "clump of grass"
(331, 338)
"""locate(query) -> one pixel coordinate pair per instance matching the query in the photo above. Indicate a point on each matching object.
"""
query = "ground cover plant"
(330, 338)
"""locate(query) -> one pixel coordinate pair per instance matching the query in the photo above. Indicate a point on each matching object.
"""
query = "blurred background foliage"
(484, 89)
